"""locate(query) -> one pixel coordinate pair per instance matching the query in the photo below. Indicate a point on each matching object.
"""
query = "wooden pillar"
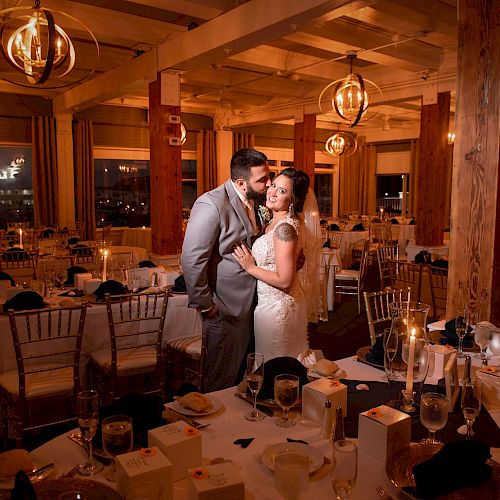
(432, 171)
(165, 161)
(304, 135)
(475, 204)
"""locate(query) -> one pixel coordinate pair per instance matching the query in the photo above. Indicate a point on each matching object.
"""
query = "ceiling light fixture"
(38, 48)
(340, 144)
(348, 97)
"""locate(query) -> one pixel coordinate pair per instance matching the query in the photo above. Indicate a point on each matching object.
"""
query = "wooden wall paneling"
(304, 134)
(475, 206)
(165, 174)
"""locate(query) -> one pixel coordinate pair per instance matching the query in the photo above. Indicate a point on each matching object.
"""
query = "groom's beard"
(256, 197)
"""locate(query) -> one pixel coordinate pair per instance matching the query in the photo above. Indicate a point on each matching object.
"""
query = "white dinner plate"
(39, 460)
(316, 458)
(313, 374)
(216, 405)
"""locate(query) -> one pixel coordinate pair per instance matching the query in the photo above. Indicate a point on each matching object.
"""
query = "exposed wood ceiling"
(258, 61)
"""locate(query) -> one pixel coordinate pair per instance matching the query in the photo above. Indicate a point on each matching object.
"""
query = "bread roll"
(325, 367)
(195, 401)
(11, 462)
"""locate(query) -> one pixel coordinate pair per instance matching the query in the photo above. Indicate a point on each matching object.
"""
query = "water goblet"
(291, 474)
(117, 438)
(483, 337)
(344, 467)
(471, 403)
(88, 420)
(286, 393)
(255, 377)
(461, 325)
(433, 414)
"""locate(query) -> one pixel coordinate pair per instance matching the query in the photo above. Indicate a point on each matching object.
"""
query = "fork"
(382, 493)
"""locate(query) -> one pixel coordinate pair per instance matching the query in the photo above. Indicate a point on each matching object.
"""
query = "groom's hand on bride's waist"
(210, 313)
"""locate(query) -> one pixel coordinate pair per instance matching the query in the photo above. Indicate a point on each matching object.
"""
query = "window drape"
(206, 161)
(84, 176)
(45, 180)
(357, 178)
(243, 140)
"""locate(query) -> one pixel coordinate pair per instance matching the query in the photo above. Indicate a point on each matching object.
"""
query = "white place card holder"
(144, 465)
(382, 431)
(91, 285)
(80, 280)
(452, 381)
(167, 278)
(438, 359)
(180, 443)
(216, 482)
(138, 278)
(46, 247)
(490, 385)
(317, 392)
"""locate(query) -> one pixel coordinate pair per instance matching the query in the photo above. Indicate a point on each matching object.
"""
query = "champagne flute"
(433, 414)
(291, 474)
(471, 403)
(344, 467)
(461, 325)
(255, 377)
(286, 393)
(117, 439)
(88, 420)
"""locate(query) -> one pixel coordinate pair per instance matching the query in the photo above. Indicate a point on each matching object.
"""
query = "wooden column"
(475, 204)
(432, 172)
(166, 171)
(304, 135)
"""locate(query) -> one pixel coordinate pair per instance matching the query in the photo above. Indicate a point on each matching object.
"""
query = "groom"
(217, 285)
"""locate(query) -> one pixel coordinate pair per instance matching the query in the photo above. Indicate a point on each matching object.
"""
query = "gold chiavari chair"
(408, 274)
(387, 254)
(438, 280)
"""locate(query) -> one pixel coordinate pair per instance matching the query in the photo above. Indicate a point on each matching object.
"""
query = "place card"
(216, 482)
(180, 443)
(140, 466)
(438, 359)
(317, 392)
(382, 431)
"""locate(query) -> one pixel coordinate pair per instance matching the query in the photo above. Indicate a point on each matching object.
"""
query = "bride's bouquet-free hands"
(244, 257)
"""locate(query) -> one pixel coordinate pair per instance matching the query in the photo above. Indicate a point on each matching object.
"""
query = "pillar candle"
(411, 362)
(21, 238)
(105, 263)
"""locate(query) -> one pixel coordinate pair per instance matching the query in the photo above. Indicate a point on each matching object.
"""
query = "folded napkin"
(394, 221)
(376, 219)
(179, 284)
(327, 244)
(82, 250)
(333, 227)
(423, 257)
(358, 227)
(48, 233)
(70, 280)
(457, 465)
(278, 366)
(412, 222)
(73, 240)
(24, 301)
(112, 287)
(23, 489)
(441, 263)
(376, 354)
(451, 337)
(146, 263)
(7, 277)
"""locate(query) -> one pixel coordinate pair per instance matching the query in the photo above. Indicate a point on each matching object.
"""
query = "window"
(16, 185)
(390, 192)
(189, 183)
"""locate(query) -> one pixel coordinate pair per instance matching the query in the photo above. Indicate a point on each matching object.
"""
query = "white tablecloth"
(348, 239)
(137, 237)
(402, 232)
(329, 258)
(412, 249)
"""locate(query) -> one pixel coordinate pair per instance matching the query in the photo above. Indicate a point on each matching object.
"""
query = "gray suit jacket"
(218, 220)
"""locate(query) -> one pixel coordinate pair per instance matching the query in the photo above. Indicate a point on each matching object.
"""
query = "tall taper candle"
(411, 362)
(104, 265)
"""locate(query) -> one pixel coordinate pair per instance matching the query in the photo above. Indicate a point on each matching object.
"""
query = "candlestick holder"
(102, 260)
(408, 401)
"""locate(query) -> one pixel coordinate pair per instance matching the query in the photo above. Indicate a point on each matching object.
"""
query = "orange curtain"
(45, 181)
(206, 161)
(84, 176)
(243, 140)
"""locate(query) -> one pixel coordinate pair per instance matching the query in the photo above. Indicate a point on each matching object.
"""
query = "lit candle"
(411, 362)
(105, 263)
(381, 212)
(21, 238)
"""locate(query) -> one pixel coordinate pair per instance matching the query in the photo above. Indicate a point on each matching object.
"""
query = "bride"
(281, 314)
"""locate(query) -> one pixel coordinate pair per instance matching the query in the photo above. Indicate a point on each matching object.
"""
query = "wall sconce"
(451, 137)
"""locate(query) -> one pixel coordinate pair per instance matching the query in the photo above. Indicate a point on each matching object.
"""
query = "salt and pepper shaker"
(327, 425)
(339, 425)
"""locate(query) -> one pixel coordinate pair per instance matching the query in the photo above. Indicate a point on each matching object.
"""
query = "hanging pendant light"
(340, 144)
(38, 48)
(349, 97)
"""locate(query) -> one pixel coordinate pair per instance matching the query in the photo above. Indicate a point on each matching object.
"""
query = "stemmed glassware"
(286, 393)
(291, 474)
(471, 403)
(344, 467)
(255, 378)
(88, 420)
(461, 326)
(483, 337)
(433, 414)
(117, 438)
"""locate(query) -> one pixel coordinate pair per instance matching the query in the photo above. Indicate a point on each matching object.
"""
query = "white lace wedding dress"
(280, 318)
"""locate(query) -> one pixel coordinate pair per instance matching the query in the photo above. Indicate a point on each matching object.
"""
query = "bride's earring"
(290, 210)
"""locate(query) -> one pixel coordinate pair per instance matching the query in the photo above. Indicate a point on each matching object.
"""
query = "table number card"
(216, 482)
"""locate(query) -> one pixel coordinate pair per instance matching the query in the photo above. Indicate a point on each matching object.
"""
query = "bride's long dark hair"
(300, 182)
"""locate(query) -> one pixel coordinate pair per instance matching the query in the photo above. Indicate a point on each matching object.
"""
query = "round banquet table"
(329, 258)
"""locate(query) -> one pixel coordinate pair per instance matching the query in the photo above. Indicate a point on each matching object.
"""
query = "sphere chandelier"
(340, 144)
(38, 48)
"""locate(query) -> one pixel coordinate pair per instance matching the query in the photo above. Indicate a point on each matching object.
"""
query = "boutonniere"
(264, 214)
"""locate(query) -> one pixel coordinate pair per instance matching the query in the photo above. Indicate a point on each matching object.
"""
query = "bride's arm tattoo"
(285, 232)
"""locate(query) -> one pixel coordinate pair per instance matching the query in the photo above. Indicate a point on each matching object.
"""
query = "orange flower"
(190, 431)
(334, 383)
(489, 369)
(147, 452)
(450, 347)
(199, 473)
(374, 412)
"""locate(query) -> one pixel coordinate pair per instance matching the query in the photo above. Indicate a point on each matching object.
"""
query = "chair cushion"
(347, 274)
(189, 345)
(40, 383)
(130, 359)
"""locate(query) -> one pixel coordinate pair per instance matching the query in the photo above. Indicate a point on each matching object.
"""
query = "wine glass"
(255, 377)
(482, 337)
(433, 414)
(471, 403)
(291, 474)
(117, 439)
(461, 325)
(88, 420)
(286, 393)
(344, 467)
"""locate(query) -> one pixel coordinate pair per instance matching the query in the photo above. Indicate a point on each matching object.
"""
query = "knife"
(264, 409)
(37, 472)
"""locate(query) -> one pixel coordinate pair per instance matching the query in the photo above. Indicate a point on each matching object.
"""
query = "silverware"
(382, 493)
(38, 472)
(70, 473)
(189, 421)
